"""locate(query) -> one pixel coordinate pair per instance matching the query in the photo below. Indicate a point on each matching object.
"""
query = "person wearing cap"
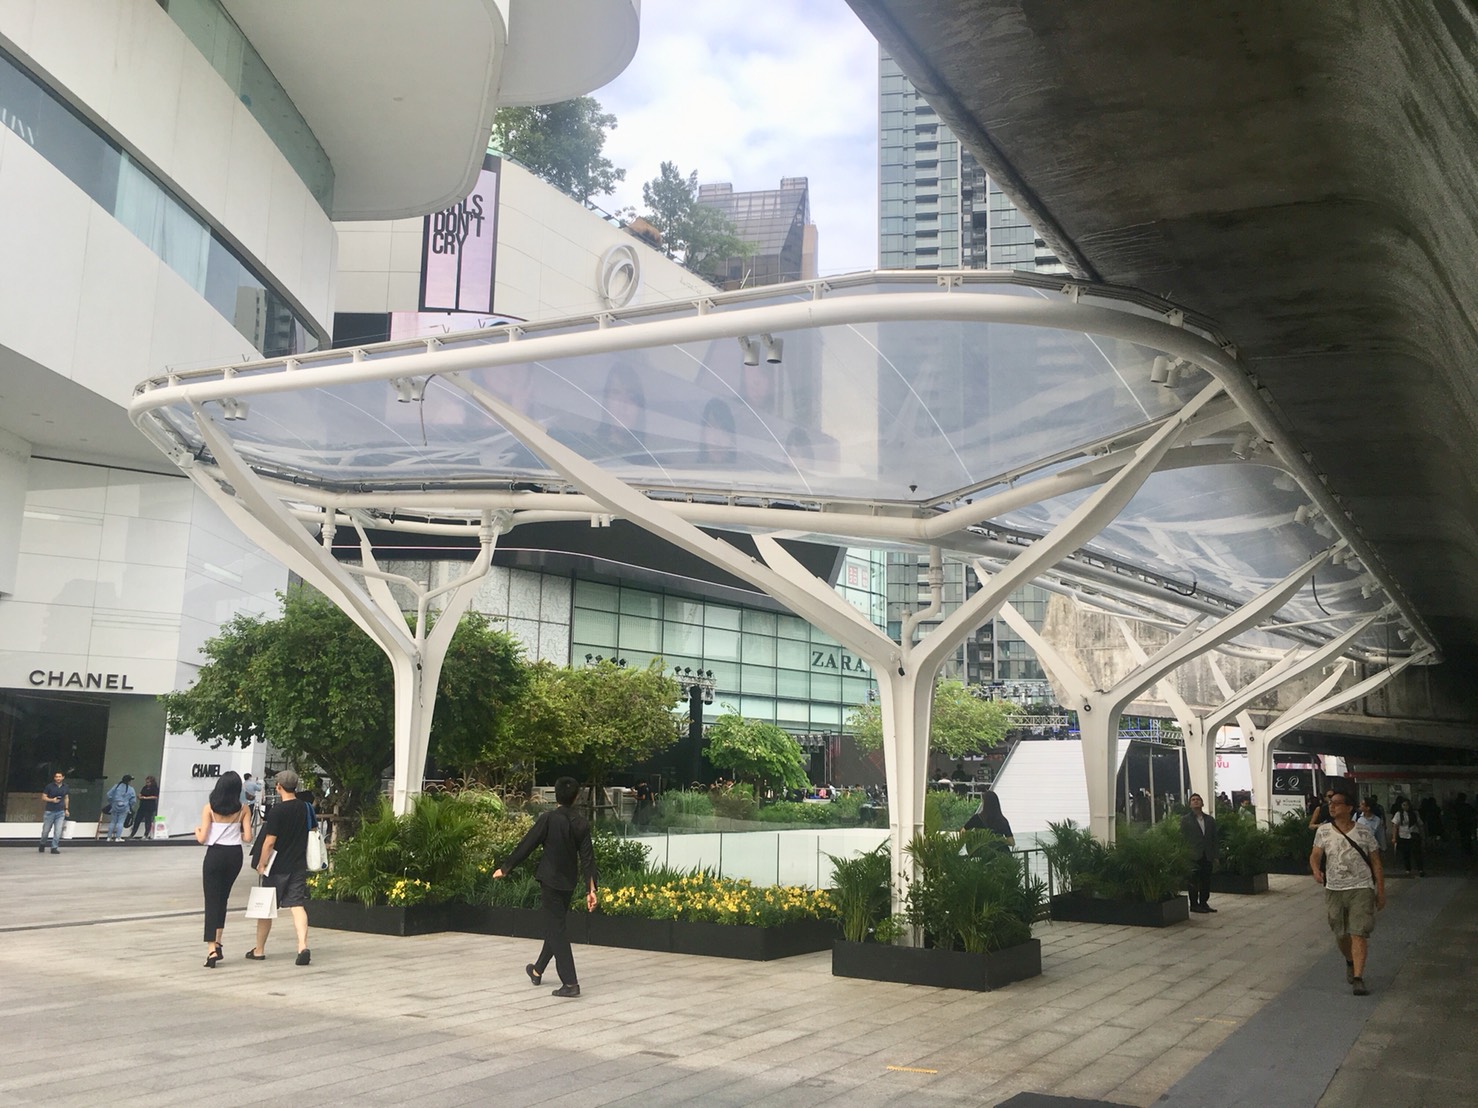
(121, 799)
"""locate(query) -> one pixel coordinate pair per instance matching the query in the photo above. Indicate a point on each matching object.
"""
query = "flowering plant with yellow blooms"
(703, 897)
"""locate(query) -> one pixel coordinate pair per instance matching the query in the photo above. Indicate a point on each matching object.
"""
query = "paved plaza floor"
(103, 997)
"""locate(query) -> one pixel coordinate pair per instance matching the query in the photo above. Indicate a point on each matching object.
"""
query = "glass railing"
(221, 42)
(158, 217)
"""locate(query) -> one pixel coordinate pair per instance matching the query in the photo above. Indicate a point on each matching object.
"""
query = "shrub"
(861, 891)
(1142, 865)
(684, 802)
(947, 811)
(796, 811)
(701, 896)
(1291, 838)
(734, 802)
(969, 894)
(1242, 846)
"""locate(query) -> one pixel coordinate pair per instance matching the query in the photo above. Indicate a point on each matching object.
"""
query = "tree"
(319, 689)
(959, 722)
(754, 751)
(609, 715)
(561, 143)
(484, 679)
(697, 235)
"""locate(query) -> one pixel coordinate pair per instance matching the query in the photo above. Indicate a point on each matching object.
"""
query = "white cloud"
(751, 93)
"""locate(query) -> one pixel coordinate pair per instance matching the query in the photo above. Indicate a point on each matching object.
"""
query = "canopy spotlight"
(751, 351)
(773, 348)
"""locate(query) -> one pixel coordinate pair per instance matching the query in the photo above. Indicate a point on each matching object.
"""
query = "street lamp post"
(698, 687)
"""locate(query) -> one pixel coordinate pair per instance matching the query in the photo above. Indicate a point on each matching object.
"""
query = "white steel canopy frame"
(1149, 411)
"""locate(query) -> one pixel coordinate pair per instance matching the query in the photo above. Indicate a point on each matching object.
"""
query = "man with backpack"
(1347, 862)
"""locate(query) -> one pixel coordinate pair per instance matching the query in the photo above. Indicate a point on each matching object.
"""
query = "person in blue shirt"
(56, 808)
(121, 799)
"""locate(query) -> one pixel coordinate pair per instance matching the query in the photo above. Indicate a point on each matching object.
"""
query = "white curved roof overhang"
(970, 411)
(401, 96)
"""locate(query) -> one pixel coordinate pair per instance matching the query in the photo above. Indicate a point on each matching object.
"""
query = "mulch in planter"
(1072, 908)
(941, 969)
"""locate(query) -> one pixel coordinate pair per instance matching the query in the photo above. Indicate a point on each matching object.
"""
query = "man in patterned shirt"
(1346, 861)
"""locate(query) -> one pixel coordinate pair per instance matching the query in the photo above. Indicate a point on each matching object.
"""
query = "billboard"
(459, 247)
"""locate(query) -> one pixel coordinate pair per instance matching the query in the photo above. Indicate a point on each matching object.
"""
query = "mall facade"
(184, 183)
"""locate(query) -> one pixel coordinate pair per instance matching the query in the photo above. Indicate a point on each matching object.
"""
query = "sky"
(750, 93)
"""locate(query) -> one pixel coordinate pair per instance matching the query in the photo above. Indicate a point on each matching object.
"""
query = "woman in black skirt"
(225, 823)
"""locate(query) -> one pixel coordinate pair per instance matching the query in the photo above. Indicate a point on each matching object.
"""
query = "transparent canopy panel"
(870, 407)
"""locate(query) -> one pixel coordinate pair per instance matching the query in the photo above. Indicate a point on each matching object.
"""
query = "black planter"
(416, 919)
(757, 944)
(629, 932)
(942, 969)
(1237, 884)
(1298, 867)
(1072, 908)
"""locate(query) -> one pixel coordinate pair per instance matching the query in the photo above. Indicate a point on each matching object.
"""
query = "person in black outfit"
(989, 817)
(285, 834)
(225, 823)
(148, 808)
(565, 836)
(1199, 830)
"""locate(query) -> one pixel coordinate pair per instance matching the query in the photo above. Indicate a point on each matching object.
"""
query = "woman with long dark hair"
(1406, 830)
(225, 823)
(990, 818)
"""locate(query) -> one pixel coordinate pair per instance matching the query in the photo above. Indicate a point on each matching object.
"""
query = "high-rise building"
(939, 209)
(776, 223)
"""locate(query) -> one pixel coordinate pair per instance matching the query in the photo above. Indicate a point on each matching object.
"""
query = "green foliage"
(861, 890)
(1242, 846)
(483, 681)
(969, 894)
(697, 235)
(1147, 865)
(797, 812)
(614, 854)
(319, 689)
(684, 803)
(562, 143)
(1291, 838)
(756, 751)
(442, 849)
(959, 722)
(947, 811)
(735, 802)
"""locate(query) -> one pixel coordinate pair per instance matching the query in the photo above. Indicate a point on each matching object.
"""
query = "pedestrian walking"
(148, 807)
(1406, 829)
(121, 798)
(284, 863)
(565, 836)
(1199, 830)
(55, 808)
(1347, 862)
(225, 823)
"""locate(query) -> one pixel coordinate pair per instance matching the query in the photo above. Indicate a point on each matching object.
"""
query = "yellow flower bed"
(717, 900)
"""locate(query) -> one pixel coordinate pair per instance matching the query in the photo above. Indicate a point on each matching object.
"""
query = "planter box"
(1238, 884)
(629, 932)
(416, 919)
(757, 944)
(1298, 867)
(942, 969)
(1125, 913)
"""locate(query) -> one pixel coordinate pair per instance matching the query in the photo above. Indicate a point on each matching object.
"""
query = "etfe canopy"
(970, 411)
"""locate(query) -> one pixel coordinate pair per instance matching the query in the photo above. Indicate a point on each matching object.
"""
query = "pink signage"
(459, 247)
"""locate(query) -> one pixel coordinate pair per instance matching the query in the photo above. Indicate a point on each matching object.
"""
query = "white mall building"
(191, 182)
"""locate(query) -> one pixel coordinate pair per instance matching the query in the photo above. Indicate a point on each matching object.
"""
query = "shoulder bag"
(317, 852)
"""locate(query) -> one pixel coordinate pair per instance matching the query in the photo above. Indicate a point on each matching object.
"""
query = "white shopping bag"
(261, 902)
(160, 830)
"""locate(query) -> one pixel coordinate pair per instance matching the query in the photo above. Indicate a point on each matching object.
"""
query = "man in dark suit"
(1199, 830)
(565, 836)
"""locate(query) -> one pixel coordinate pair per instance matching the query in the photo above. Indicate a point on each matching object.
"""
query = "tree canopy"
(697, 235)
(320, 690)
(561, 143)
(757, 752)
(959, 722)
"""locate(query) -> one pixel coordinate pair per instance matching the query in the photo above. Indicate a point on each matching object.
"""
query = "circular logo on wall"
(618, 278)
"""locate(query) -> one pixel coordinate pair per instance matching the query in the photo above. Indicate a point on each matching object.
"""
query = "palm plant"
(969, 894)
(861, 891)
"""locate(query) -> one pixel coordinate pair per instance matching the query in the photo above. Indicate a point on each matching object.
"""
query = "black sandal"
(213, 957)
(534, 976)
